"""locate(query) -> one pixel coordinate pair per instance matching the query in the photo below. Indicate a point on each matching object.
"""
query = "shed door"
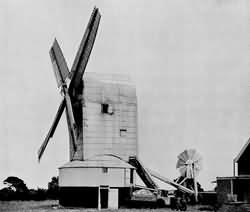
(113, 198)
(104, 196)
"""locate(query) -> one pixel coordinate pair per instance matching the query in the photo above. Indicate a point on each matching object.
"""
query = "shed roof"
(242, 151)
(242, 177)
(99, 161)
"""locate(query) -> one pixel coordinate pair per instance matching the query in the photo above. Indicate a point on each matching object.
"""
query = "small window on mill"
(107, 109)
(123, 132)
(104, 170)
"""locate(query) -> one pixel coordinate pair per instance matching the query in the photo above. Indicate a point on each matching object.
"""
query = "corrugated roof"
(98, 161)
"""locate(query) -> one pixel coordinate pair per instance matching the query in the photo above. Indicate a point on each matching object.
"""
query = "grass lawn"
(50, 205)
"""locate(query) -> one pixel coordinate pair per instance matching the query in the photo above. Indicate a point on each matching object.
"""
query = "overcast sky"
(189, 61)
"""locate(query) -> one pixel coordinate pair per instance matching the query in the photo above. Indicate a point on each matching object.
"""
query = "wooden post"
(195, 186)
(231, 187)
(99, 198)
(233, 167)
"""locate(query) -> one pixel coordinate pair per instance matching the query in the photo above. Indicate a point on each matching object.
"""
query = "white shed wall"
(69, 177)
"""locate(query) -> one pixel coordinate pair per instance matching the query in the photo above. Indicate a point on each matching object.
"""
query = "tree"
(16, 184)
(16, 190)
(53, 188)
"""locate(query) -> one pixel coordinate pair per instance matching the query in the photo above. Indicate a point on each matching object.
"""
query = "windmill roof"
(110, 78)
(99, 161)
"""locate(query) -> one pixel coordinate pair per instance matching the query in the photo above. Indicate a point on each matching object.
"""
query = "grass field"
(50, 205)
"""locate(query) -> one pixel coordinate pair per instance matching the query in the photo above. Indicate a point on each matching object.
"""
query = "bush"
(7, 194)
(53, 188)
(232, 208)
(39, 194)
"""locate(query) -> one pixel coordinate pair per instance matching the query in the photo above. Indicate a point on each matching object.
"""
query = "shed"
(236, 188)
(242, 161)
(98, 182)
(232, 189)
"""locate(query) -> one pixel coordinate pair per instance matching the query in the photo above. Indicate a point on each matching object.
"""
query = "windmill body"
(109, 117)
(109, 137)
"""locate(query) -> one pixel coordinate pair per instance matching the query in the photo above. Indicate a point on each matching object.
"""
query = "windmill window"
(107, 109)
(123, 132)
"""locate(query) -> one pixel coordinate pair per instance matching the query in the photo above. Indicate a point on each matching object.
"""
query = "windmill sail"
(52, 129)
(84, 50)
(59, 64)
(62, 72)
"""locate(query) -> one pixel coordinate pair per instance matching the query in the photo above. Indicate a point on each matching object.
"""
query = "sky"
(189, 61)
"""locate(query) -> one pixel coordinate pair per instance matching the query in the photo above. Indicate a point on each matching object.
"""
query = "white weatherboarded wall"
(97, 171)
(114, 133)
(70, 177)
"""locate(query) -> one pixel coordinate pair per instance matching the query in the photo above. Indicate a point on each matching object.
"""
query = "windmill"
(189, 165)
(72, 94)
(102, 173)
